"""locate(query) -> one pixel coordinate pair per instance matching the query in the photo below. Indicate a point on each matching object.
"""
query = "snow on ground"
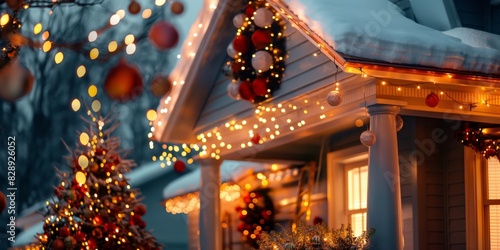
(378, 30)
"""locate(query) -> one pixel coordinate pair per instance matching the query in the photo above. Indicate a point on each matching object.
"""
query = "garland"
(473, 135)
(9, 42)
(257, 53)
(256, 216)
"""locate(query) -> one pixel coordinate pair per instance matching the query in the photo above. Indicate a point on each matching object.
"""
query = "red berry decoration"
(432, 100)
(70, 242)
(92, 243)
(163, 35)
(246, 91)
(140, 209)
(58, 244)
(109, 227)
(123, 83)
(80, 236)
(134, 7)
(177, 8)
(97, 220)
(261, 38)
(249, 10)
(3, 202)
(255, 139)
(241, 44)
(64, 231)
(179, 166)
(259, 86)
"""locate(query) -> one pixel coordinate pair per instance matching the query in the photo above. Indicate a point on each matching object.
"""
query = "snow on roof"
(229, 171)
(378, 30)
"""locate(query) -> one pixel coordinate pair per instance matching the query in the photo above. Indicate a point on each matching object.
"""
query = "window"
(357, 189)
(492, 202)
(348, 188)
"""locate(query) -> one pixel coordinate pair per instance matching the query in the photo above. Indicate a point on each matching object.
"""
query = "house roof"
(399, 48)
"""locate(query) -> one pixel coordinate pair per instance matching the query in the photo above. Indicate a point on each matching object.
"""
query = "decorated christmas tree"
(95, 207)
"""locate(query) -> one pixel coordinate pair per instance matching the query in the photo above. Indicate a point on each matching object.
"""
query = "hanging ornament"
(70, 242)
(3, 202)
(367, 138)
(15, 81)
(231, 51)
(290, 246)
(246, 91)
(177, 8)
(432, 100)
(249, 11)
(80, 236)
(123, 82)
(64, 231)
(259, 86)
(334, 98)
(399, 123)
(262, 61)
(163, 35)
(233, 90)
(261, 39)
(317, 220)
(134, 7)
(161, 86)
(255, 138)
(241, 44)
(14, 4)
(316, 241)
(58, 244)
(140, 209)
(239, 20)
(263, 17)
(179, 166)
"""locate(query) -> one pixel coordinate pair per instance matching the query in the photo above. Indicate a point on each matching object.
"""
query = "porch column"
(210, 228)
(384, 192)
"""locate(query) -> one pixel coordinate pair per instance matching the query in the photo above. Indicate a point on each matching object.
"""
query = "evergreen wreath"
(257, 53)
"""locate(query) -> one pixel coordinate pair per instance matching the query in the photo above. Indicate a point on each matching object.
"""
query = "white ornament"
(239, 20)
(334, 98)
(263, 17)
(262, 61)
(231, 51)
(399, 123)
(233, 90)
(367, 138)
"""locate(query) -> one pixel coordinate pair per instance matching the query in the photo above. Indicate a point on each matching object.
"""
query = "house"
(406, 81)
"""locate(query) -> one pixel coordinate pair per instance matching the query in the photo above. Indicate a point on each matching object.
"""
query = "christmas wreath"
(256, 216)
(257, 53)
(475, 136)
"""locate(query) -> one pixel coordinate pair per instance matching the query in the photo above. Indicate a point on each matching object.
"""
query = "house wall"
(304, 72)
(432, 182)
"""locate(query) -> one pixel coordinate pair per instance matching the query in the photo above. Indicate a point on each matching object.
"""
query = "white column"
(384, 192)
(210, 228)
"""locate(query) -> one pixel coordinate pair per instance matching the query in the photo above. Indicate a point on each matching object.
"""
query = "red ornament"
(109, 227)
(134, 7)
(246, 91)
(161, 86)
(141, 224)
(249, 10)
(97, 233)
(123, 82)
(97, 220)
(432, 100)
(255, 139)
(261, 38)
(3, 202)
(140, 209)
(92, 244)
(177, 8)
(179, 166)
(80, 236)
(58, 244)
(15, 81)
(163, 35)
(14, 4)
(259, 86)
(70, 242)
(236, 67)
(317, 220)
(64, 231)
(242, 216)
(241, 227)
(241, 44)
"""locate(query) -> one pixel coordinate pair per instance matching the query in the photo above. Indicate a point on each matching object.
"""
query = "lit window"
(492, 202)
(357, 189)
